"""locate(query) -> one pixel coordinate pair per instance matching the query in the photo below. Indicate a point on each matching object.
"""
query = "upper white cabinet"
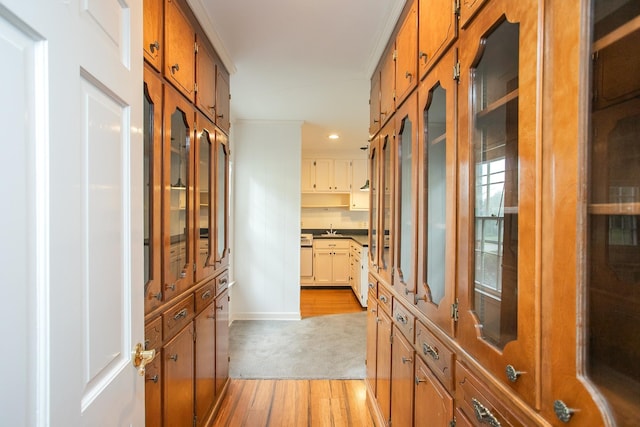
(326, 176)
(359, 185)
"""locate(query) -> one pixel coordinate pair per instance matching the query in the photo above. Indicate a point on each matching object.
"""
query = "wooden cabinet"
(223, 99)
(221, 183)
(437, 183)
(402, 380)
(331, 261)
(360, 185)
(433, 404)
(374, 103)
(383, 366)
(387, 84)
(372, 332)
(153, 29)
(406, 55)
(438, 29)
(205, 362)
(386, 216)
(178, 385)
(153, 373)
(405, 170)
(205, 80)
(374, 204)
(204, 197)
(179, 53)
(222, 337)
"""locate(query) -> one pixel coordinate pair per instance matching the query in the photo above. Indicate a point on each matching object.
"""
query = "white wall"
(266, 220)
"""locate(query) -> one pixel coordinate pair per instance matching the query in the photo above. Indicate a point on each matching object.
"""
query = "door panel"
(78, 160)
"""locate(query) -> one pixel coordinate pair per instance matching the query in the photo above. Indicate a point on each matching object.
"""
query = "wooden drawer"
(177, 317)
(205, 295)
(222, 282)
(384, 296)
(153, 334)
(356, 248)
(404, 320)
(438, 357)
(477, 403)
(373, 287)
(331, 243)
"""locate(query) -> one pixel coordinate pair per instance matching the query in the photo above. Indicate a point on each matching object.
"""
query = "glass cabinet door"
(222, 197)
(178, 187)
(152, 138)
(374, 192)
(437, 188)
(386, 203)
(613, 244)
(203, 197)
(498, 214)
(406, 167)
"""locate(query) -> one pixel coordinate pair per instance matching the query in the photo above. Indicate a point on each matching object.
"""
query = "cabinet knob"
(175, 68)
(154, 46)
(174, 357)
(407, 360)
(171, 287)
(408, 75)
(423, 56)
(512, 374)
(563, 412)
(157, 296)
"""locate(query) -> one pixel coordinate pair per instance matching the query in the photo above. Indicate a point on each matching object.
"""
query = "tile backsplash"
(338, 218)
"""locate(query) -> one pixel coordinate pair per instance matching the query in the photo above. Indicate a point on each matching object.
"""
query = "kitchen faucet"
(331, 230)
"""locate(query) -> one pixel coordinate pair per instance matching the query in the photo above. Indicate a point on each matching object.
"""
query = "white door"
(71, 213)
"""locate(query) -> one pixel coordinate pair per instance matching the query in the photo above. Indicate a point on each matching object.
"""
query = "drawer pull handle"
(420, 380)
(219, 307)
(402, 319)
(171, 287)
(223, 282)
(154, 46)
(483, 415)
(206, 295)
(174, 357)
(157, 296)
(512, 374)
(371, 286)
(181, 314)
(406, 360)
(431, 351)
(563, 412)
(174, 68)
(384, 299)
(153, 378)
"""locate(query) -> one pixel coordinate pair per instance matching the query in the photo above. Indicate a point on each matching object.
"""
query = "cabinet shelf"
(439, 139)
(497, 104)
(614, 208)
(617, 35)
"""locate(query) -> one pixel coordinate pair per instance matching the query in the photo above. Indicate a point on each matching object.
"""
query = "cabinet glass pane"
(386, 203)
(373, 218)
(613, 272)
(495, 146)
(178, 219)
(436, 187)
(147, 177)
(405, 156)
(204, 179)
(221, 212)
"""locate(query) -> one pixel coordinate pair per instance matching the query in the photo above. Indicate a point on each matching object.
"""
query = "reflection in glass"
(221, 201)
(178, 220)
(147, 176)
(495, 145)
(436, 187)
(613, 274)
(406, 201)
(205, 196)
(386, 200)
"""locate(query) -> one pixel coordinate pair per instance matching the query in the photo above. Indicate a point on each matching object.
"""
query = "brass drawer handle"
(181, 314)
(483, 415)
(402, 319)
(431, 351)
(206, 295)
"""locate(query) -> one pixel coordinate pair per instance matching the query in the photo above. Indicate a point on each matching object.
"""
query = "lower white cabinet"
(331, 262)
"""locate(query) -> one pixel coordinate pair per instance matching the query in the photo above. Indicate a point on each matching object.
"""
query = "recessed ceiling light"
(334, 136)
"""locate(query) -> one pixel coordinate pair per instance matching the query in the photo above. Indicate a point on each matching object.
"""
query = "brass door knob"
(141, 358)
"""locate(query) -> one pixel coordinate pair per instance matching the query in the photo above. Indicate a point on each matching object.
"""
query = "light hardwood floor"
(297, 403)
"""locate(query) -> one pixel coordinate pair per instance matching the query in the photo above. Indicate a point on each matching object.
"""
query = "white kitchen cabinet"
(358, 268)
(326, 176)
(331, 262)
(359, 177)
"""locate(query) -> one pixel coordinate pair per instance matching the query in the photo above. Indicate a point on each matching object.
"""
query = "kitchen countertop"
(359, 236)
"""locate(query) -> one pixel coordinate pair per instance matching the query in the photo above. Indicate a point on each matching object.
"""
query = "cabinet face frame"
(174, 284)
(440, 76)
(523, 352)
(406, 116)
(204, 128)
(153, 290)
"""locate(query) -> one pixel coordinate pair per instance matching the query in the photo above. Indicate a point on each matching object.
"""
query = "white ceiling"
(307, 60)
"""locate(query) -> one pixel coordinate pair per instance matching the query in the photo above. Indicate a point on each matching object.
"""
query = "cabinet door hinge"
(454, 311)
(195, 333)
(452, 423)
(195, 87)
(456, 72)
(194, 267)
(195, 420)
(195, 47)
(456, 7)
(395, 55)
